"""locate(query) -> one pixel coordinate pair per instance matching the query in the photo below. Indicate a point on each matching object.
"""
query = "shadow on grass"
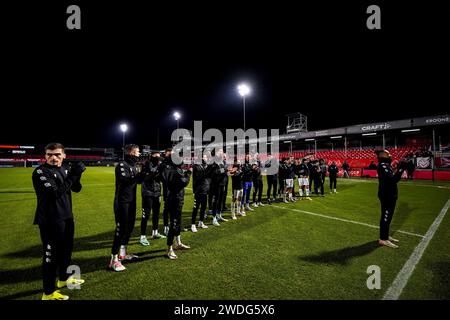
(342, 256)
(94, 242)
(86, 266)
(22, 294)
(401, 214)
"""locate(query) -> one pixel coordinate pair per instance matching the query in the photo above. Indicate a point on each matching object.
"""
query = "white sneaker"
(233, 217)
(222, 218)
(202, 225)
(171, 254)
(116, 265)
(248, 208)
(215, 222)
(261, 204)
(387, 243)
(181, 246)
(285, 201)
(193, 228)
(255, 205)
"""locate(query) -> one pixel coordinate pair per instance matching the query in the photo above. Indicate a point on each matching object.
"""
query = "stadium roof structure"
(412, 123)
(367, 128)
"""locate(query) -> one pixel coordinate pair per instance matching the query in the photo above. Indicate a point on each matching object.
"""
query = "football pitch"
(319, 249)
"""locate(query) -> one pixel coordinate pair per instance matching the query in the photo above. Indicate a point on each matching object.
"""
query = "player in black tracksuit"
(219, 178)
(201, 180)
(272, 178)
(164, 168)
(225, 195)
(317, 177)
(257, 184)
(53, 183)
(247, 183)
(323, 173)
(151, 193)
(333, 171)
(311, 175)
(387, 194)
(127, 178)
(177, 180)
(282, 178)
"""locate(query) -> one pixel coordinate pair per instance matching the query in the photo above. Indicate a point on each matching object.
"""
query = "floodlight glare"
(123, 127)
(243, 89)
(176, 115)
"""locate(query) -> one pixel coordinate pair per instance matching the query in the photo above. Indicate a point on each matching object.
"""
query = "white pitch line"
(346, 220)
(396, 288)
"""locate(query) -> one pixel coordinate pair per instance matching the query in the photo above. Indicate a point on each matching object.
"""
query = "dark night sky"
(139, 64)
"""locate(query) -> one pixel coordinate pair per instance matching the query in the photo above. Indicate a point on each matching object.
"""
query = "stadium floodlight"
(123, 128)
(177, 117)
(243, 90)
(310, 139)
(370, 134)
(410, 130)
(336, 137)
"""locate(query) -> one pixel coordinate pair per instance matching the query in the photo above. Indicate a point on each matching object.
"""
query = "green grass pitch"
(276, 252)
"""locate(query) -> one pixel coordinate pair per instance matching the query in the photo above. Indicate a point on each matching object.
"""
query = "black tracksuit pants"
(257, 190)
(166, 208)
(149, 205)
(218, 194)
(311, 182)
(333, 181)
(125, 214)
(57, 245)
(199, 203)
(224, 200)
(175, 209)
(318, 184)
(271, 187)
(387, 212)
(281, 187)
(210, 199)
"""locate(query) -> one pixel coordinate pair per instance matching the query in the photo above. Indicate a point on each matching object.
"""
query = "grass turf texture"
(273, 253)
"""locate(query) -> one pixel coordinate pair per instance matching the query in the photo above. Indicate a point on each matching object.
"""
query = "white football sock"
(178, 240)
(301, 192)
(123, 250)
